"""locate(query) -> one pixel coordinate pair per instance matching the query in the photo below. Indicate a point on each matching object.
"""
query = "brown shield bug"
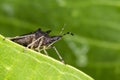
(39, 40)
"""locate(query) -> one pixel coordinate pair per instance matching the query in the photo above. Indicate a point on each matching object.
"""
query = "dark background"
(95, 47)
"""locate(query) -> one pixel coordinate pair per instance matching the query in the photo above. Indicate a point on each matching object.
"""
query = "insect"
(39, 40)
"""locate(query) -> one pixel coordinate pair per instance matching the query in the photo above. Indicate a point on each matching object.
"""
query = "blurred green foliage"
(95, 48)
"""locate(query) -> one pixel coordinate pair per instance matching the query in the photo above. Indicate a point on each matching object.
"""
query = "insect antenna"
(68, 33)
(62, 29)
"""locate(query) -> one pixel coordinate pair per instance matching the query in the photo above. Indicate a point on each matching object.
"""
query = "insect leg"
(31, 47)
(31, 44)
(58, 54)
(44, 49)
(39, 45)
(51, 44)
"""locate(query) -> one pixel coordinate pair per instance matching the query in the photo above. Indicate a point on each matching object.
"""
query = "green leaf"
(17, 64)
